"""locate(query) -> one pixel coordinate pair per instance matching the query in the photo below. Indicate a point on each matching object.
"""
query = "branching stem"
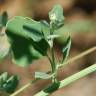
(68, 80)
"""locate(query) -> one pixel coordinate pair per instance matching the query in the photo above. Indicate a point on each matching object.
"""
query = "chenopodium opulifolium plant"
(31, 39)
(8, 84)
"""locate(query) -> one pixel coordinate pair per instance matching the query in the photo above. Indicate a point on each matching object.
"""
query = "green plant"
(8, 84)
(30, 40)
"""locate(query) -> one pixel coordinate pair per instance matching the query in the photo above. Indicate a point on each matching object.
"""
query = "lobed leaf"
(26, 39)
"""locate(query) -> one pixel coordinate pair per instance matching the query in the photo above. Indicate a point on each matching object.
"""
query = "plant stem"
(53, 63)
(62, 82)
(26, 86)
(78, 57)
(23, 88)
(70, 79)
(54, 66)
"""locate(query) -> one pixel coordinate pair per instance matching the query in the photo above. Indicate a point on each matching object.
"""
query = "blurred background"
(80, 21)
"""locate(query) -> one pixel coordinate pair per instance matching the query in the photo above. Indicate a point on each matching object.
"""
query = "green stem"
(78, 57)
(70, 79)
(53, 63)
(67, 62)
(54, 66)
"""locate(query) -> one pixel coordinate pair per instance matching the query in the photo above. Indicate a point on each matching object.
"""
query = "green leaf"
(41, 46)
(11, 84)
(66, 49)
(4, 19)
(4, 46)
(42, 75)
(23, 52)
(26, 28)
(56, 16)
(8, 84)
(26, 39)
